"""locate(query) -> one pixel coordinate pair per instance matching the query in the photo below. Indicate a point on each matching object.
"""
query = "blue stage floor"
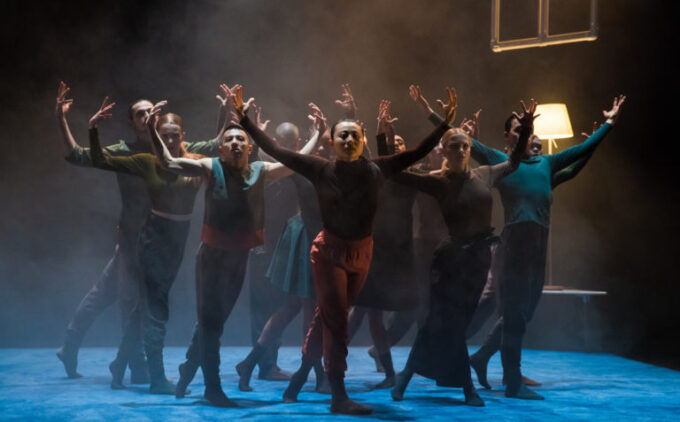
(577, 386)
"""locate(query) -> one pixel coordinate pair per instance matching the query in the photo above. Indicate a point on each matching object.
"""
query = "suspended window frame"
(544, 38)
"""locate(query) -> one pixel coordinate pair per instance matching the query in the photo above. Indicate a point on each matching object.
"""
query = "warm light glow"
(553, 122)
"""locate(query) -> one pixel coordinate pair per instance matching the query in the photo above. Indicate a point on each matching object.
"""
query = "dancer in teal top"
(526, 195)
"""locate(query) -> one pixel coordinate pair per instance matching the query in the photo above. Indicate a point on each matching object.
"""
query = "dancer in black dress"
(461, 263)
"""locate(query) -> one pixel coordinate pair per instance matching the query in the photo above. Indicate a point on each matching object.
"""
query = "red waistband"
(332, 240)
(221, 240)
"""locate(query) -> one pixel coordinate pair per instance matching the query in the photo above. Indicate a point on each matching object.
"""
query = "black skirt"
(458, 274)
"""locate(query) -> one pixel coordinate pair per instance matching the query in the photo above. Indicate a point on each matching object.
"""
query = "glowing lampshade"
(553, 122)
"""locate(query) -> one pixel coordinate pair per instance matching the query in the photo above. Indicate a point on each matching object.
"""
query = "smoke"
(613, 225)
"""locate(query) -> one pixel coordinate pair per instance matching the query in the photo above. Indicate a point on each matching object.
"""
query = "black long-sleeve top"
(347, 191)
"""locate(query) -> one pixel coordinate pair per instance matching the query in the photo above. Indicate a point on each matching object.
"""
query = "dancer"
(526, 197)
(347, 189)
(389, 284)
(460, 264)
(429, 231)
(162, 238)
(490, 295)
(280, 203)
(117, 281)
(232, 225)
(290, 272)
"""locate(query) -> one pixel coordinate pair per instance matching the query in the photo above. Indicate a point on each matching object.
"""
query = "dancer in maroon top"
(347, 190)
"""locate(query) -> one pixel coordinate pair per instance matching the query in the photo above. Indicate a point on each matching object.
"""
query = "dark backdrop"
(614, 226)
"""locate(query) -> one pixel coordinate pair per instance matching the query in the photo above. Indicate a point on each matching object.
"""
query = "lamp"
(553, 123)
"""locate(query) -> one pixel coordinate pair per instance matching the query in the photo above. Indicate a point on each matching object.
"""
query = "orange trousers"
(339, 269)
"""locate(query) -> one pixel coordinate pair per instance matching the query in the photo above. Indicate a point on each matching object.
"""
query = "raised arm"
(385, 137)
(104, 113)
(179, 165)
(62, 108)
(275, 171)
(573, 169)
(479, 152)
(471, 126)
(303, 164)
(134, 164)
(571, 155)
(393, 164)
(526, 121)
(347, 103)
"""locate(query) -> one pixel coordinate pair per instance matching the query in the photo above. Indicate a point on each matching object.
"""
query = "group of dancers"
(350, 247)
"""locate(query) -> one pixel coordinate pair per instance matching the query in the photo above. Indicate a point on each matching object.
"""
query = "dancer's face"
(235, 148)
(535, 146)
(456, 150)
(172, 136)
(348, 141)
(139, 111)
(399, 144)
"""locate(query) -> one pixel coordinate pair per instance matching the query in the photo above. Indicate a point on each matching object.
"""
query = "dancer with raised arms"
(347, 189)
(232, 225)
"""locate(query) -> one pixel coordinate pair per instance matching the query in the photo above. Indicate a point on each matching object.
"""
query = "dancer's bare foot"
(275, 374)
(479, 365)
(523, 393)
(244, 373)
(187, 371)
(388, 382)
(347, 406)
(528, 381)
(70, 361)
(217, 398)
(163, 387)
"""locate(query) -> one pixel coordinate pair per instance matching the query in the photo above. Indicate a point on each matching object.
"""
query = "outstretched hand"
(63, 103)
(385, 120)
(471, 126)
(527, 117)
(450, 107)
(613, 114)
(258, 118)
(225, 101)
(417, 96)
(347, 103)
(104, 113)
(241, 108)
(152, 116)
(596, 126)
(318, 118)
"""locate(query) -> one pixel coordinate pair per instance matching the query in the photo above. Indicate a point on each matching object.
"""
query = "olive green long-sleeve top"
(169, 193)
(136, 203)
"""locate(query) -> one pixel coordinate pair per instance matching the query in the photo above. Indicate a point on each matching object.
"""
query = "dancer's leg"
(382, 346)
(269, 337)
(219, 283)
(523, 277)
(102, 295)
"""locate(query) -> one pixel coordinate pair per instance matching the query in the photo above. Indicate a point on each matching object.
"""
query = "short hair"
(508, 122)
(235, 126)
(287, 127)
(132, 104)
(347, 119)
